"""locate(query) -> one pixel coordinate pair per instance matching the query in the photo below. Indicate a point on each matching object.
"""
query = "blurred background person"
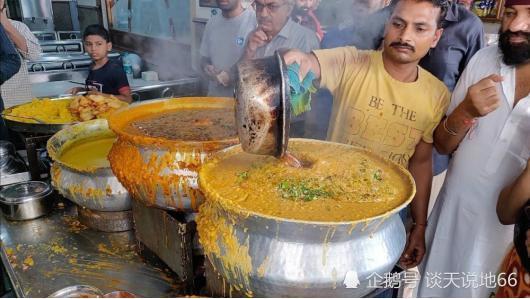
(303, 14)
(17, 90)
(223, 42)
(277, 30)
(9, 66)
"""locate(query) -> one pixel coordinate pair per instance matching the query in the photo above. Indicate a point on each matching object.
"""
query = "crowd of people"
(413, 81)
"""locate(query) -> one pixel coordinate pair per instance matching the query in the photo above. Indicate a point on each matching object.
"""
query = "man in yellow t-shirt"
(385, 102)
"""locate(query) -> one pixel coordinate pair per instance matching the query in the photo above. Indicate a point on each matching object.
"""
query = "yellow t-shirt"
(373, 110)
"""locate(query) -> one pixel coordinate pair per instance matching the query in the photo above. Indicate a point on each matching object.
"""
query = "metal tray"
(23, 127)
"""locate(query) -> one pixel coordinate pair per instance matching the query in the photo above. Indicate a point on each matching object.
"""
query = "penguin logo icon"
(351, 281)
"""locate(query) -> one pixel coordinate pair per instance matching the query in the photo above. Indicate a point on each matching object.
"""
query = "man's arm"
(307, 61)
(13, 34)
(125, 94)
(255, 40)
(513, 198)
(10, 61)
(420, 166)
(482, 98)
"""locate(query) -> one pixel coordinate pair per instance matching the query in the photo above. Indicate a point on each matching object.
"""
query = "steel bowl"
(157, 171)
(96, 189)
(26, 201)
(78, 291)
(263, 108)
(266, 256)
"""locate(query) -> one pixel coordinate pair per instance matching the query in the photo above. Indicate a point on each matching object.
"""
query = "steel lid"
(25, 192)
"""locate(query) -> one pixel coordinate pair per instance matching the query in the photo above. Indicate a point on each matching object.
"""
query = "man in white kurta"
(488, 130)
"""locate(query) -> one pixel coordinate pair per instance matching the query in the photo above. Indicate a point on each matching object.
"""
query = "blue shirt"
(8, 56)
(463, 36)
(9, 66)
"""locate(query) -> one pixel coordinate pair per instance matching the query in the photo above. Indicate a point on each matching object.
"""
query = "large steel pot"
(95, 189)
(265, 256)
(157, 171)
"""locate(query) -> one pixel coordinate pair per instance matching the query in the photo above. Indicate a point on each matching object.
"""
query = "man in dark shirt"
(105, 76)
(9, 66)
(463, 36)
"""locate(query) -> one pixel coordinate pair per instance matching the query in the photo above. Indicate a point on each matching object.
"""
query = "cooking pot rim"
(158, 142)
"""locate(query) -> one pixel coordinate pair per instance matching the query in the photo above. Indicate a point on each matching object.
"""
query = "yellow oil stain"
(28, 261)
(219, 239)
(58, 249)
(263, 267)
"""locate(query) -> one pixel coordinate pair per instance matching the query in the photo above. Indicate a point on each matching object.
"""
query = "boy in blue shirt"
(105, 76)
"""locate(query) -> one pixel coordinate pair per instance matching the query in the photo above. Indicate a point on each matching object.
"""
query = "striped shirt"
(17, 90)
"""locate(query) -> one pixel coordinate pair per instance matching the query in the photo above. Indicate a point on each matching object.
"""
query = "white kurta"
(465, 240)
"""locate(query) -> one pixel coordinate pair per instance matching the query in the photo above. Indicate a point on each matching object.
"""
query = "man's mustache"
(508, 34)
(403, 45)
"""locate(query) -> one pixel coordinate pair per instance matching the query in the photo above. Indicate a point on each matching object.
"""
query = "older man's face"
(514, 38)
(412, 31)
(272, 14)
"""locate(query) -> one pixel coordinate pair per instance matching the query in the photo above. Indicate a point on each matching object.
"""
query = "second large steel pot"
(95, 189)
(157, 171)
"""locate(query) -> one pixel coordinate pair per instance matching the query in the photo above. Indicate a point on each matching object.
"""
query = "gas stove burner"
(106, 221)
(69, 35)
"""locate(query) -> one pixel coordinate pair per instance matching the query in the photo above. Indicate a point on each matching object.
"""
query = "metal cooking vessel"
(266, 256)
(78, 291)
(96, 189)
(27, 200)
(263, 106)
(157, 171)
(23, 127)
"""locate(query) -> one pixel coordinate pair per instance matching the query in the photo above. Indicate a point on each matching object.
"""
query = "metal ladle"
(263, 108)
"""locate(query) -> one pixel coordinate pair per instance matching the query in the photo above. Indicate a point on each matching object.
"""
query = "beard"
(300, 11)
(514, 54)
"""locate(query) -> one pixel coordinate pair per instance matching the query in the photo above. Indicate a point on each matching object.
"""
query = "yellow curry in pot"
(341, 184)
(88, 154)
